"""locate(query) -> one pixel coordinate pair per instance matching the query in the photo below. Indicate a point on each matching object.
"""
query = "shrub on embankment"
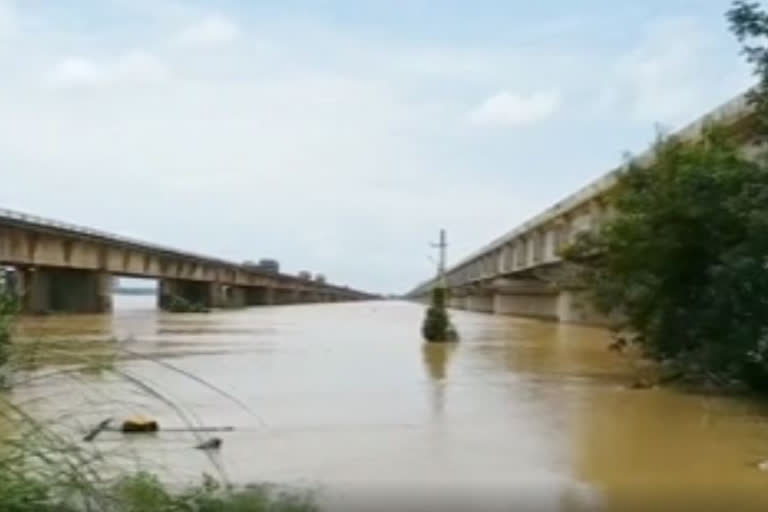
(141, 492)
(685, 257)
(8, 308)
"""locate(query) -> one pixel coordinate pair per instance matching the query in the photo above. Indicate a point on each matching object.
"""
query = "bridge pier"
(574, 306)
(194, 292)
(49, 290)
(226, 296)
(259, 296)
(307, 297)
(479, 302)
(285, 296)
(457, 302)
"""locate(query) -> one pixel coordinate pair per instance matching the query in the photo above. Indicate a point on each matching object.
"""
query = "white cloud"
(665, 77)
(213, 30)
(74, 71)
(508, 108)
(132, 68)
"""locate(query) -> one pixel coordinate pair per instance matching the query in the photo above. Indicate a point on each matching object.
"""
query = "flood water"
(346, 399)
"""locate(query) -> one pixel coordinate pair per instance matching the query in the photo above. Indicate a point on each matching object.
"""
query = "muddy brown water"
(345, 399)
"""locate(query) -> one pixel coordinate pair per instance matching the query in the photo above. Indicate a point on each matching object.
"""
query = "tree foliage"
(8, 310)
(749, 23)
(437, 326)
(685, 257)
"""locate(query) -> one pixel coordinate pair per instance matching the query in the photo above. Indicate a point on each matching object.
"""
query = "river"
(347, 400)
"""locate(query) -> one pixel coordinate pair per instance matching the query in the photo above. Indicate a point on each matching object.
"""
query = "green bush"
(178, 304)
(437, 325)
(684, 259)
(8, 310)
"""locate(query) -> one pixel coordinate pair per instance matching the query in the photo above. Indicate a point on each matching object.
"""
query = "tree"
(685, 257)
(437, 326)
(749, 23)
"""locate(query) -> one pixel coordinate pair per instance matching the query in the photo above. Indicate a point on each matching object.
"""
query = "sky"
(339, 136)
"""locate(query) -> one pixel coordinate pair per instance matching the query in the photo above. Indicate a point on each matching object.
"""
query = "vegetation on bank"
(45, 469)
(140, 492)
(8, 309)
(684, 258)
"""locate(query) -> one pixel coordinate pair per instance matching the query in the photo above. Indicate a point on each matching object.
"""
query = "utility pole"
(441, 245)
(437, 325)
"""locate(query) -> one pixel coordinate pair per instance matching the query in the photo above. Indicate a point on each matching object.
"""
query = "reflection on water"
(436, 359)
(347, 397)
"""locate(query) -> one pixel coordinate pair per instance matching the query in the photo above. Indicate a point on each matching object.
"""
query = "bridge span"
(62, 267)
(522, 272)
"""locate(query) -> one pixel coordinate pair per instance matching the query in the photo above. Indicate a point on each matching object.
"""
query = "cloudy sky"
(339, 135)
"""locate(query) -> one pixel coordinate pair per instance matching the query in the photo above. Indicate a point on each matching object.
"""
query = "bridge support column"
(46, 290)
(534, 305)
(482, 303)
(259, 296)
(194, 292)
(457, 302)
(307, 297)
(285, 296)
(226, 296)
(574, 306)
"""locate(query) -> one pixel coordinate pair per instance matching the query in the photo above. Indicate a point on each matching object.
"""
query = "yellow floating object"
(140, 425)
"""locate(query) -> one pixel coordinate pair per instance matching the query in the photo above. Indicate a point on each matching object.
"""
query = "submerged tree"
(437, 325)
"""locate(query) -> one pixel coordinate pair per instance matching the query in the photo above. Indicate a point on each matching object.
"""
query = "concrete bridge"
(68, 268)
(522, 273)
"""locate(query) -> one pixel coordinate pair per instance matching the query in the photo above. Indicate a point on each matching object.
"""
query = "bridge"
(62, 267)
(522, 272)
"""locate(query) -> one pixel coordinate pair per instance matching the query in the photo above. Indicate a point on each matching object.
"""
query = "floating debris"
(213, 443)
(103, 425)
(134, 425)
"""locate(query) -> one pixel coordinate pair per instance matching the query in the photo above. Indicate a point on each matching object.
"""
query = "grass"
(46, 468)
